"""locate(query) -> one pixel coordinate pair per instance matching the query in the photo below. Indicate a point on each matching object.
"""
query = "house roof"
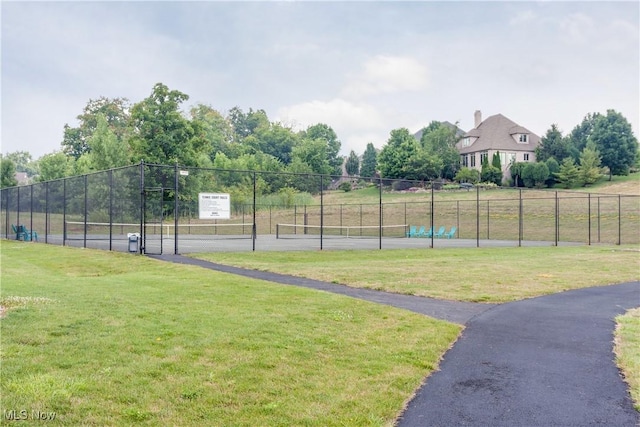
(496, 133)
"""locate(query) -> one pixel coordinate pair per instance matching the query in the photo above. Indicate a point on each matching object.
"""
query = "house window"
(484, 157)
(524, 138)
(473, 160)
(466, 142)
(526, 157)
(464, 160)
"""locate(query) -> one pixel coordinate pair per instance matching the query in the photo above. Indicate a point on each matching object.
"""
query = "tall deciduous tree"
(217, 131)
(326, 134)
(439, 139)
(161, 134)
(397, 153)
(114, 110)
(369, 161)
(614, 139)
(55, 166)
(7, 173)
(105, 151)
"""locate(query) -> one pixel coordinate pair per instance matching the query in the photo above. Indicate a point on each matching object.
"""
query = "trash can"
(134, 242)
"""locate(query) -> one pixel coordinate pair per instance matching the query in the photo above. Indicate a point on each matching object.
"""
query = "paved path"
(545, 361)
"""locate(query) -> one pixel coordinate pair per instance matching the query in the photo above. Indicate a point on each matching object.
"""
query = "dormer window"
(466, 142)
(524, 138)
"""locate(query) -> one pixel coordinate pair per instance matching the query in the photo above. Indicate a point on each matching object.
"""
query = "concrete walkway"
(545, 361)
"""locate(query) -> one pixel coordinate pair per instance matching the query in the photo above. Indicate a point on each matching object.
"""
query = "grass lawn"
(102, 338)
(477, 274)
(627, 348)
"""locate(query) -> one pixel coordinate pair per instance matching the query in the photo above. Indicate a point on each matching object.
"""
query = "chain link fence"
(160, 206)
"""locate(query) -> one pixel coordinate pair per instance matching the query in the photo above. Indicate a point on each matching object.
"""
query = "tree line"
(113, 133)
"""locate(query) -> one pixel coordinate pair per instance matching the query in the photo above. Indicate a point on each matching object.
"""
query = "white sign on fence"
(214, 205)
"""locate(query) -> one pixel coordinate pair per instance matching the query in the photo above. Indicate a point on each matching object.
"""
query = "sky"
(363, 68)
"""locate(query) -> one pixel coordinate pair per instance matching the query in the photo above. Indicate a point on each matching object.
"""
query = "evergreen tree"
(569, 175)
(369, 162)
(352, 165)
(589, 164)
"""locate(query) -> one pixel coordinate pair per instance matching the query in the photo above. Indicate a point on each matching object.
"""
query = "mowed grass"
(110, 339)
(465, 274)
(627, 349)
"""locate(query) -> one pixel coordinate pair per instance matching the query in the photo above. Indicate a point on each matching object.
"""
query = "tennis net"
(292, 231)
(75, 230)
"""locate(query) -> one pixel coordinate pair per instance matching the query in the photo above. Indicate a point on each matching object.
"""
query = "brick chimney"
(477, 116)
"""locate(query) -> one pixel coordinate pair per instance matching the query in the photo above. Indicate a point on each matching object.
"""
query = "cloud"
(387, 74)
(355, 123)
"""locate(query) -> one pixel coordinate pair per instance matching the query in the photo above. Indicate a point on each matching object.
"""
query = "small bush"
(345, 186)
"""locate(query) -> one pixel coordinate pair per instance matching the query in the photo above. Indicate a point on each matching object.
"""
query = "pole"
(380, 215)
(253, 228)
(589, 218)
(520, 218)
(321, 211)
(477, 216)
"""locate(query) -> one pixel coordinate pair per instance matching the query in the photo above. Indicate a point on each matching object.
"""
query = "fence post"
(557, 214)
(86, 187)
(380, 215)
(520, 225)
(598, 219)
(110, 209)
(253, 227)
(31, 211)
(432, 208)
(46, 212)
(64, 211)
(321, 211)
(589, 220)
(619, 219)
(477, 216)
(143, 236)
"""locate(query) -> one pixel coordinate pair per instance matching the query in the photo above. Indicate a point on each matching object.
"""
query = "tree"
(495, 161)
(105, 151)
(554, 167)
(614, 139)
(553, 145)
(491, 173)
(328, 136)
(55, 166)
(313, 152)
(274, 139)
(161, 134)
(581, 133)
(23, 162)
(217, 131)
(589, 164)
(116, 113)
(569, 175)
(369, 162)
(7, 173)
(399, 150)
(352, 165)
(247, 124)
(440, 139)
(468, 175)
(516, 173)
(535, 174)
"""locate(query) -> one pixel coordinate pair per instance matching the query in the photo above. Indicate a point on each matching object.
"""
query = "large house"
(497, 134)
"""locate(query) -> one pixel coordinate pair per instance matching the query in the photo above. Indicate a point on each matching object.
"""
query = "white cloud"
(356, 124)
(387, 74)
